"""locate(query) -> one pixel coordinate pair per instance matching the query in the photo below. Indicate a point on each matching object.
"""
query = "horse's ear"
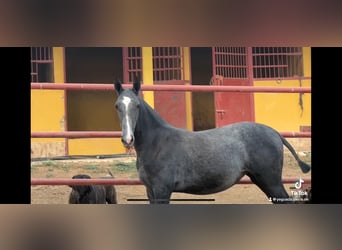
(118, 86)
(136, 84)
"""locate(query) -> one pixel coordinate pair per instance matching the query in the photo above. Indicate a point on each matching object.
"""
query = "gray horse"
(171, 159)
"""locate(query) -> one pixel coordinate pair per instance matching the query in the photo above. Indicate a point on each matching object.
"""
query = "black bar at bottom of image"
(172, 200)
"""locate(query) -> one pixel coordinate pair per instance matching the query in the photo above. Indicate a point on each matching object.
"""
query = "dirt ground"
(124, 168)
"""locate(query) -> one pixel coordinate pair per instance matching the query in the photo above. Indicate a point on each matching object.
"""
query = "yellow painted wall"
(58, 64)
(188, 94)
(95, 146)
(307, 61)
(147, 67)
(282, 110)
(47, 113)
(47, 106)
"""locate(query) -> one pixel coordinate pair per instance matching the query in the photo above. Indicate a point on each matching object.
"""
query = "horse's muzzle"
(128, 141)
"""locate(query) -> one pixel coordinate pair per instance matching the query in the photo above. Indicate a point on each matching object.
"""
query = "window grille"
(41, 64)
(167, 63)
(264, 62)
(230, 62)
(277, 62)
(132, 63)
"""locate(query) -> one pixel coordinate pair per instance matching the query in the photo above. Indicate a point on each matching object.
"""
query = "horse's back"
(255, 137)
(250, 131)
(241, 137)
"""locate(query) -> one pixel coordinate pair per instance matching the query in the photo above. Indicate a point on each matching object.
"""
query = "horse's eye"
(116, 106)
(138, 106)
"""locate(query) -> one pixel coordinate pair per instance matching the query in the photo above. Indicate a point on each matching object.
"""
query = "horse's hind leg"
(273, 188)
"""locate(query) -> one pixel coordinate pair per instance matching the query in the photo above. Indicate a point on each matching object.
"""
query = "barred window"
(230, 62)
(258, 62)
(132, 63)
(277, 62)
(167, 63)
(41, 64)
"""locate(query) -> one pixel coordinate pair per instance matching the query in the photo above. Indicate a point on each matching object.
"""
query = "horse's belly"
(205, 187)
(201, 190)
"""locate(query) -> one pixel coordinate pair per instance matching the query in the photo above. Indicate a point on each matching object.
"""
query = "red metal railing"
(117, 134)
(192, 88)
(77, 134)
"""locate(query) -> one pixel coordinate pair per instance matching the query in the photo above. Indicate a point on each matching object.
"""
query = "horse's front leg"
(160, 195)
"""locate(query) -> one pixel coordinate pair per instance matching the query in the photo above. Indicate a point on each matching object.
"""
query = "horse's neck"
(149, 118)
(148, 122)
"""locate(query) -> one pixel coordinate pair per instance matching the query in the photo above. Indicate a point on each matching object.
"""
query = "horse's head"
(127, 106)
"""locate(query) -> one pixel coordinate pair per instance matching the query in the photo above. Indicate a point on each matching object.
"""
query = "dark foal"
(91, 194)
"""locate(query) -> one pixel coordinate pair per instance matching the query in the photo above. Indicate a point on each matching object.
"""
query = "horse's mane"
(153, 116)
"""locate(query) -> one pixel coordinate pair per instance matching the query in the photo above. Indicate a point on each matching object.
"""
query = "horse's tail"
(305, 167)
